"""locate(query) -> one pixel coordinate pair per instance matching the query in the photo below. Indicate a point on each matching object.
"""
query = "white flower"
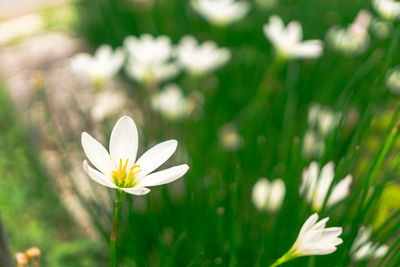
(199, 59)
(150, 59)
(315, 185)
(323, 119)
(315, 239)
(288, 41)
(363, 248)
(268, 195)
(387, 9)
(102, 66)
(107, 103)
(170, 102)
(328, 121)
(119, 169)
(393, 80)
(221, 12)
(354, 39)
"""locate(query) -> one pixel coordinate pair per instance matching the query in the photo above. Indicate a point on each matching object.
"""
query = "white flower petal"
(260, 193)
(308, 224)
(331, 234)
(340, 191)
(276, 194)
(165, 176)
(325, 180)
(321, 224)
(124, 141)
(97, 176)
(155, 157)
(137, 190)
(308, 49)
(294, 32)
(317, 249)
(97, 154)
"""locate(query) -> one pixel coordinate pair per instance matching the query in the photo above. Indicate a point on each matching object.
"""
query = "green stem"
(119, 197)
(278, 262)
(290, 255)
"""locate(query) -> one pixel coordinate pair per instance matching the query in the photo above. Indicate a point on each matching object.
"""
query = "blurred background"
(249, 111)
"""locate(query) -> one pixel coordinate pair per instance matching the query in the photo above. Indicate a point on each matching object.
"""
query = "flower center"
(125, 178)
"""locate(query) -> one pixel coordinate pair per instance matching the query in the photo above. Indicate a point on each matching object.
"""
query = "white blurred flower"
(315, 239)
(170, 102)
(323, 119)
(107, 103)
(100, 67)
(393, 80)
(387, 9)
(351, 40)
(315, 185)
(328, 121)
(287, 41)
(229, 137)
(268, 195)
(221, 12)
(363, 248)
(199, 59)
(313, 145)
(119, 169)
(150, 59)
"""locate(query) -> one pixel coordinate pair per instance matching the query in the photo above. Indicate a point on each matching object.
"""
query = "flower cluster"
(152, 60)
(364, 249)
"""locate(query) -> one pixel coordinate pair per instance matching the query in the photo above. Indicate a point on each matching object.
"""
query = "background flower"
(221, 12)
(316, 183)
(200, 59)
(268, 195)
(100, 67)
(150, 59)
(287, 41)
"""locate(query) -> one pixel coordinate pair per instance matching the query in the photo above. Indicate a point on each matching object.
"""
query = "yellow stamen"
(122, 178)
